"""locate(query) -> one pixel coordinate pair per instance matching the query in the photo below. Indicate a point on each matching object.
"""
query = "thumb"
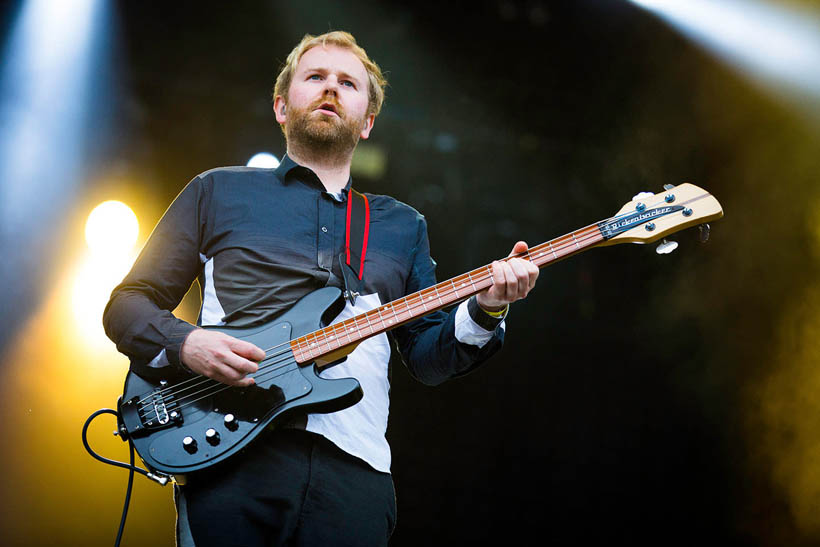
(519, 247)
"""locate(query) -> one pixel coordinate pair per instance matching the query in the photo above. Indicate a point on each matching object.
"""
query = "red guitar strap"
(358, 226)
(356, 232)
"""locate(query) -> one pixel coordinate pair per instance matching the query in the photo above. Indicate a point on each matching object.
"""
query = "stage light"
(774, 44)
(111, 233)
(265, 160)
(52, 84)
(111, 227)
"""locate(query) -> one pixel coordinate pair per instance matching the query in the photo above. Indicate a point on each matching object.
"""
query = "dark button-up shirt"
(258, 240)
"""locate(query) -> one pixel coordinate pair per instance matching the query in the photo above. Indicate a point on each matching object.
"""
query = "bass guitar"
(195, 422)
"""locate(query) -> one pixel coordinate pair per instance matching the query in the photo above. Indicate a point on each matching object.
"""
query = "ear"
(368, 126)
(279, 110)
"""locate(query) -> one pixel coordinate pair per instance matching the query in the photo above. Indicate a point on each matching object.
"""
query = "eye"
(348, 83)
(314, 77)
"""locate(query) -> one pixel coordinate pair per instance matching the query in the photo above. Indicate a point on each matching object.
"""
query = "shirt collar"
(285, 172)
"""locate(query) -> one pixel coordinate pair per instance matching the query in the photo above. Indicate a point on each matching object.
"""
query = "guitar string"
(211, 383)
(446, 293)
(220, 387)
(556, 246)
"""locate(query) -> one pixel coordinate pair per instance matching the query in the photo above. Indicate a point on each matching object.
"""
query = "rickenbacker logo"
(622, 224)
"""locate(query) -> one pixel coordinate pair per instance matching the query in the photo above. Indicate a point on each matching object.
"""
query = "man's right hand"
(221, 357)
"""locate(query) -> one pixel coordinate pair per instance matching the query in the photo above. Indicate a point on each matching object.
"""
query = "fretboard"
(388, 316)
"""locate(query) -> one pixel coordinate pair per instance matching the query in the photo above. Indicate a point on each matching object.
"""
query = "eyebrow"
(342, 74)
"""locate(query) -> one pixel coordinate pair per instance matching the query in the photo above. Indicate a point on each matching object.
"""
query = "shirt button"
(324, 228)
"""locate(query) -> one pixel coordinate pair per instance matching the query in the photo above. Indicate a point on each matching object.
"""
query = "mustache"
(328, 101)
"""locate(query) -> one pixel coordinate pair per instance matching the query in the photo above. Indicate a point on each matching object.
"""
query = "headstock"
(654, 216)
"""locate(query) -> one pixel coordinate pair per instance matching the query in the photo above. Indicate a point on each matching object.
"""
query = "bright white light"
(111, 232)
(44, 98)
(773, 43)
(95, 277)
(265, 160)
(111, 227)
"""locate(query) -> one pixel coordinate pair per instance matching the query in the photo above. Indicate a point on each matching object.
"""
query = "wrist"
(488, 320)
(500, 312)
(491, 310)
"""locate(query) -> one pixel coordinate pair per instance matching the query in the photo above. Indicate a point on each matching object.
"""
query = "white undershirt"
(360, 429)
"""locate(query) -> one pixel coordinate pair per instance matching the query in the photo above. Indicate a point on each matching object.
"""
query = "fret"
(470, 277)
(369, 322)
(312, 345)
(401, 304)
(435, 288)
(330, 337)
(412, 304)
(347, 329)
(555, 256)
(576, 241)
(327, 348)
(392, 310)
(421, 298)
(381, 317)
(429, 294)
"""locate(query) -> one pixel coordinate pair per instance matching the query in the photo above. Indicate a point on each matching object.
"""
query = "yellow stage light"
(111, 232)
(112, 227)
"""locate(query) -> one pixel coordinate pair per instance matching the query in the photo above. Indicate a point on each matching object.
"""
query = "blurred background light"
(112, 227)
(773, 43)
(51, 85)
(265, 160)
(111, 233)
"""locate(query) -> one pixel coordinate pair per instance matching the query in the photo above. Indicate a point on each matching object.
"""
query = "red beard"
(323, 132)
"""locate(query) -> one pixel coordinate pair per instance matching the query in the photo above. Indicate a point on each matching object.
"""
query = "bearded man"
(258, 240)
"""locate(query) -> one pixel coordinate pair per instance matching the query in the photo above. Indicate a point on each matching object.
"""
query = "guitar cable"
(130, 466)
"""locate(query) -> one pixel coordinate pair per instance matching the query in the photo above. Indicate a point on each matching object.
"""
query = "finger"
(228, 375)
(510, 282)
(534, 272)
(240, 364)
(522, 277)
(498, 273)
(247, 350)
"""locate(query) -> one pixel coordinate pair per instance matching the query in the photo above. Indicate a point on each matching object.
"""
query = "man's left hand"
(513, 279)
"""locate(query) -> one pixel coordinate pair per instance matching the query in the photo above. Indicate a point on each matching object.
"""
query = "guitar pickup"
(150, 412)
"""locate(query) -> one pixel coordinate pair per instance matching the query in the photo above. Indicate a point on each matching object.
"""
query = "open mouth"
(328, 108)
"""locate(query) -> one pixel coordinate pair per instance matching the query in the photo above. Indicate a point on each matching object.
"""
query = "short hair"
(342, 39)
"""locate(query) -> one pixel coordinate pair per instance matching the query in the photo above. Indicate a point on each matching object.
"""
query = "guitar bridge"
(149, 412)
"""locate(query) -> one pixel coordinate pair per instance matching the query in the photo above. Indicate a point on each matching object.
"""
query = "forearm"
(442, 346)
(142, 331)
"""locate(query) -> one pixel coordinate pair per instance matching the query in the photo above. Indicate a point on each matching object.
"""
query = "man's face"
(327, 100)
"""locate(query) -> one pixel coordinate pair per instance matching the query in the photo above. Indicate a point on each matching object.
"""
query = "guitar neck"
(336, 337)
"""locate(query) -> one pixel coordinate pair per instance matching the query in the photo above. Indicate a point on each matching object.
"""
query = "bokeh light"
(111, 233)
(112, 227)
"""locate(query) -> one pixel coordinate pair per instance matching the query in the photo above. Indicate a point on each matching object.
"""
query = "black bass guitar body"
(189, 424)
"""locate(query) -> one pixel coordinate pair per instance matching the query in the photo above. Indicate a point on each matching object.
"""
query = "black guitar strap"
(356, 232)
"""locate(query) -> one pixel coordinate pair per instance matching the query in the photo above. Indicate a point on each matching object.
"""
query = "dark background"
(640, 398)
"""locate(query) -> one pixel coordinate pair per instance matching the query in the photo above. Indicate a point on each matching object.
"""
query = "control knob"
(212, 436)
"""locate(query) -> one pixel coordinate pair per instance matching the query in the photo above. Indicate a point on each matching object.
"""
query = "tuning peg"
(703, 232)
(665, 247)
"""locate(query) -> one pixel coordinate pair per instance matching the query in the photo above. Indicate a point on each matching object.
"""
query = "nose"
(331, 85)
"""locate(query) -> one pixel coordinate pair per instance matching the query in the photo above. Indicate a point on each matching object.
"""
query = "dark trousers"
(289, 487)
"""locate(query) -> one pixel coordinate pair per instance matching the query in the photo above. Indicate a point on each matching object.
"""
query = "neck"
(332, 169)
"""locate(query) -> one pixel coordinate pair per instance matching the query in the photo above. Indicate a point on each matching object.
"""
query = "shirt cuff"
(474, 326)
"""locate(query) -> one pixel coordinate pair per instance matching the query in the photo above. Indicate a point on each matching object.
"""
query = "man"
(258, 240)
